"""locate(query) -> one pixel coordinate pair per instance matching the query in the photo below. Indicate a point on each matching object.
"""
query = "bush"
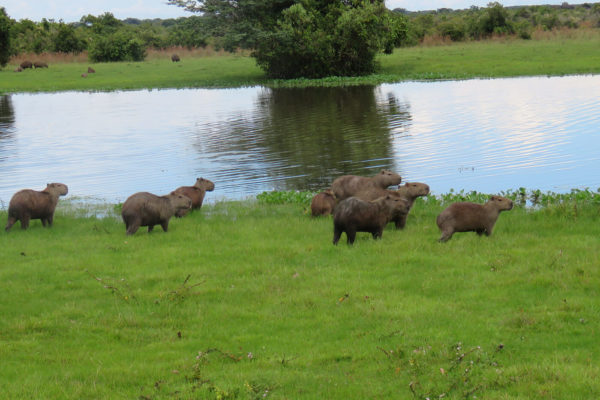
(66, 40)
(5, 23)
(119, 46)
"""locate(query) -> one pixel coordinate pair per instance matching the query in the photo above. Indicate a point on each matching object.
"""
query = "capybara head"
(501, 203)
(205, 184)
(179, 202)
(395, 205)
(388, 178)
(59, 189)
(328, 192)
(414, 189)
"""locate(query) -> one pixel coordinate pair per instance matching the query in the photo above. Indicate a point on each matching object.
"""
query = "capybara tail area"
(11, 221)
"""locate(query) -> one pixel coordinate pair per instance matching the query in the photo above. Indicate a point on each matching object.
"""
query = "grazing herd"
(357, 204)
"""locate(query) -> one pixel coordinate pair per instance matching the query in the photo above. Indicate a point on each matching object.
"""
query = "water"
(484, 135)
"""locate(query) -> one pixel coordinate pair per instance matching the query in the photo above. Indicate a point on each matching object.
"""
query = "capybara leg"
(480, 232)
(351, 236)
(50, 220)
(11, 221)
(150, 227)
(24, 221)
(377, 234)
(337, 232)
(165, 225)
(446, 235)
(400, 222)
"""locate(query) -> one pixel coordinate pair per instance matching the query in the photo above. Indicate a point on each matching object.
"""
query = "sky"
(73, 10)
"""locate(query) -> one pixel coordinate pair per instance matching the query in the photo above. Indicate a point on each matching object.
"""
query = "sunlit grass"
(251, 300)
(553, 54)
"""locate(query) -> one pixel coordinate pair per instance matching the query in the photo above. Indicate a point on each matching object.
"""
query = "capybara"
(29, 204)
(84, 75)
(26, 64)
(196, 193)
(91, 70)
(471, 217)
(175, 58)
(147, 209)
(40, 64)
(348, 185)
(353, 215)
(322, 203)
(18, 69)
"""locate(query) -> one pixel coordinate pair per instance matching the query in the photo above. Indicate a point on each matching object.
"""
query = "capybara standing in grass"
(147, 209)
(472, 217)
(40, 64)
(175, 58)
(355, 215)
(322, 203)
(348, 185)
(91, 70)
(196, 193)
(29, 204)
(26, 64)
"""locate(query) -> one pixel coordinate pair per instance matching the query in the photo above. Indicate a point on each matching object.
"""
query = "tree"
(66, 40)
(5, 24)
(304, 38)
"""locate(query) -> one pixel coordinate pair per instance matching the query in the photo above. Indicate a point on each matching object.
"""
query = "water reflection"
(485, 135)
(301, 138)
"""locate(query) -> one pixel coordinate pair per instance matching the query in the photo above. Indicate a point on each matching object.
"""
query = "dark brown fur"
(409, 192)
(147, 209)
(91, 70)
(29, 204)
(40, 64)
(355, 215)
(322, 203)
(196, 193)
(348, 185)
(26, 64)
(472, 217)
(175, 58)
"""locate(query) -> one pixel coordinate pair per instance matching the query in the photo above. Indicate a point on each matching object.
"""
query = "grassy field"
(554, 55)
(250, 300)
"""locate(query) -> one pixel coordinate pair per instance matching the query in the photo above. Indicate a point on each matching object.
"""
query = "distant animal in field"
(28, 204)
(175, 58)
(147, 209)
(348, 185)
(196, 193)
(40, 64)
(409, 191)
(353, 215)
(26, 64)
(91, 70)
(322, 203)
(84, 75)
(18, 69)
(471, 217)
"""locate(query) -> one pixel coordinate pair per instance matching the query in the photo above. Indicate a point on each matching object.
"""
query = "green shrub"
(117, 47)
(5, 24)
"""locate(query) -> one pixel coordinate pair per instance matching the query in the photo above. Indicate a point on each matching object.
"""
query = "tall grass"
(247, 300)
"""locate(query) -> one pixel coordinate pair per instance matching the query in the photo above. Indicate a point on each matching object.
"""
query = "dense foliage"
(311, 39)
(495, 20)
(5, 24)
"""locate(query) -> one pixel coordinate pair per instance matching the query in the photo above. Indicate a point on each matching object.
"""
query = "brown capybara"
(40, 64)
(409, 191)
(29, 204)
(322, 203)
(18, 69)
(472, 217)
(147, 209)
(91, 70)
(84, 75)
(353, 215)
(175, 58)
(26, 64)
(348, 185)
(196, 193)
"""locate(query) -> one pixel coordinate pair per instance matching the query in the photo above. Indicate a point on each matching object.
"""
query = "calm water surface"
(484, 135)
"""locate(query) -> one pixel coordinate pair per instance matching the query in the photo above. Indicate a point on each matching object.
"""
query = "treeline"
(105, 37)
(478, 23)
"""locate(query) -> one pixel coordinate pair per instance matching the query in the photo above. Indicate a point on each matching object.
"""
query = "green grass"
(486, 59)
(251, 300)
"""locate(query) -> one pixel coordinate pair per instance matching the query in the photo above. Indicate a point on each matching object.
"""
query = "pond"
(484, 135)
